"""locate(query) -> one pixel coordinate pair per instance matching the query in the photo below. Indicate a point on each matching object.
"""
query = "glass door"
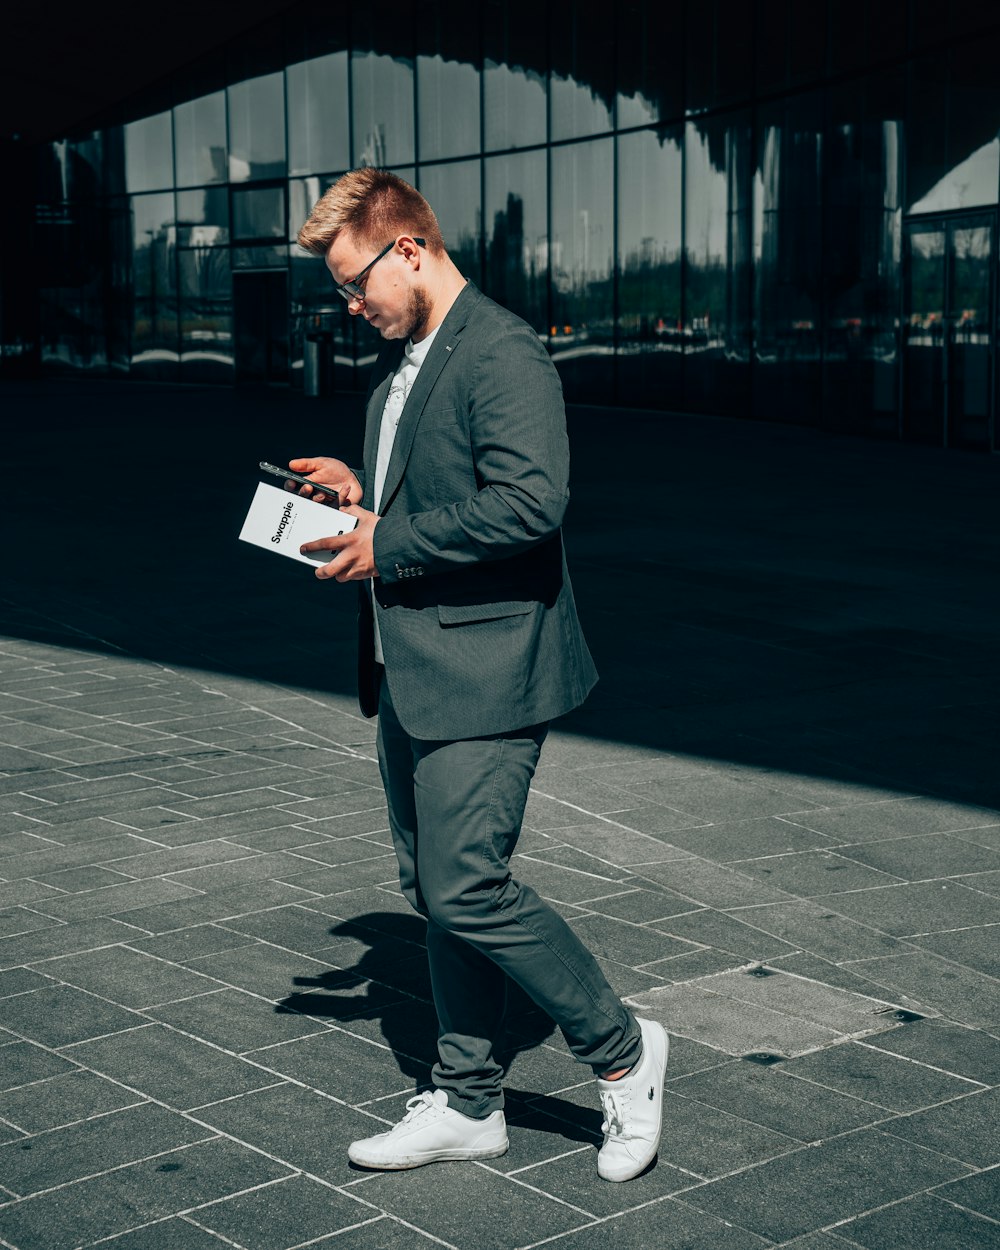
(948, 332)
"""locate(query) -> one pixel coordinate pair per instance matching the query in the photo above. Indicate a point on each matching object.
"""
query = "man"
(469, 647)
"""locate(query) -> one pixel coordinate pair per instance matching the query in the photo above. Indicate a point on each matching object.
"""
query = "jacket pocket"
(469, 613)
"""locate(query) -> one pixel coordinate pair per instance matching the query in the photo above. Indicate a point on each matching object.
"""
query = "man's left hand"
(353, 553)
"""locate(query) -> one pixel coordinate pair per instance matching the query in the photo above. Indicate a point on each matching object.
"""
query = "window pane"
(257, 128)
(303, 194)
(717, 263)
(453, 191)
(513, 73)
(318, 134)
(154, 323)
(259, 213)
(582, 73)
(203, 217)
(382, 84)
(447, 79)
(149, 154)
(517, 235)
(787, 265)
(206, 306)
(650, 210)
(582, 287)
(200, 127)
(650, 62)
(318, 311)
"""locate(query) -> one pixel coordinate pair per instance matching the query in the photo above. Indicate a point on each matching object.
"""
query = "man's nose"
(355, 305)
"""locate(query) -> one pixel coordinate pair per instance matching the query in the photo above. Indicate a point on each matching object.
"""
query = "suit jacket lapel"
(445, 346)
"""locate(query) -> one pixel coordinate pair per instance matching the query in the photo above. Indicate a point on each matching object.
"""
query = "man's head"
(367, 228)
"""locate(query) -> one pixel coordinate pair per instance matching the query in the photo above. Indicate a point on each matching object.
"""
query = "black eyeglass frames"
(355, 289)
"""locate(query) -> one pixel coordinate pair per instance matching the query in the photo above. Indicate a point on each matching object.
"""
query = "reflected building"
(741, 208)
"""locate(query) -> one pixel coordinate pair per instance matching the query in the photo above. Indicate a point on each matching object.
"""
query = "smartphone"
(328, 491)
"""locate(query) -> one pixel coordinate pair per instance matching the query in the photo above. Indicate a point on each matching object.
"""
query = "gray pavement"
(776, 822)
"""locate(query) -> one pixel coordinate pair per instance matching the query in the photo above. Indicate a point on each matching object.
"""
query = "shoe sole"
(641, 1167)
(434, 1156)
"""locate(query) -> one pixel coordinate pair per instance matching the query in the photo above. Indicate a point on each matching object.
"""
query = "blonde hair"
(375, 206)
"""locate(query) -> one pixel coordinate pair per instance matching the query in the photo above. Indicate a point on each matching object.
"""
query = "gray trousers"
(455, 811)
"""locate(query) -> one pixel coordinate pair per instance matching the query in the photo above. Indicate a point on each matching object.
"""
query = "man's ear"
(408, 246)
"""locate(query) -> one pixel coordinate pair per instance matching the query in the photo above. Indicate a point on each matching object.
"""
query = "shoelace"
(616, 1108)
(417, 1106)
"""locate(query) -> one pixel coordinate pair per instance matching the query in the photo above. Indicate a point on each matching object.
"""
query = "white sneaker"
(430, 1132)
(633, 1109)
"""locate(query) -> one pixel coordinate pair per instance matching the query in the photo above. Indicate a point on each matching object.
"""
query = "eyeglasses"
(355, 289)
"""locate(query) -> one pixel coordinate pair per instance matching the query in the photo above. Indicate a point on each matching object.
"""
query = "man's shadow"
(389, 982)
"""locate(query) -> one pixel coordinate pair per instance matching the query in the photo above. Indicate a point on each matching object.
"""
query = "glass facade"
(739, 207)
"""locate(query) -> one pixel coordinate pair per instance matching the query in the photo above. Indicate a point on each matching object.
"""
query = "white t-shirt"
(414, 355)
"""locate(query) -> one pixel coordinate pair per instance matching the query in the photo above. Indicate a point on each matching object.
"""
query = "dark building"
(746, 207)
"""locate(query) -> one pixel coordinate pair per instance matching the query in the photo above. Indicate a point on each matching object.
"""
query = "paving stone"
(92, 1146)
(922, 1221)
(668, 1225)
(820, 1185)
(977, 948)
(114, 900)
(174, 1069)
(22, 1064)
(808, 873)
(879, 1077)
(980, 1192)
(128, 977)
(726, 933)
(114, 845)
(20, 981)
(573, 1178)
(287, 1213)
(818, 929)
(518, 1215)
(217, 905)
(772, 1097)
(731, 840)
(80, 880)
(17, 920)
(646, 905)
(926, 856)
(235, 1021)
(129, 1197)
(261, 969)
(624, 942)
(193, 943)
(64, 940)
(712, 885)
(62, 1015)
(961, 994)
(966, 1128)
(75, 1095)
(156, 863)
(920, 907)
(295, 1125)
(950, 1047)
(338, 1064)
(861, 822)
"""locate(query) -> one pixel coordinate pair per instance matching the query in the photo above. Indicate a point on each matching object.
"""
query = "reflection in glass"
(154, 286)
(514, 99)
(717, 263)
(862, 159)
(787, 261)
(582, 74)
(650, 62)
(318, 311)
(257, 128)
(200, 130)
(924, 358)
(260, 327)
(447, 80)
(260, 257)
(382, 84)
(259, 213)
(149, 153)
(650, 211)
(318, 134)
(582, 265)
(203, 217)
(206, 314)
(453, 191)
(517, 235)
(971, 342)
(303, 193)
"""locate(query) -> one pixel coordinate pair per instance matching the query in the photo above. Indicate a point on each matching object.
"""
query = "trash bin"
(316, 364)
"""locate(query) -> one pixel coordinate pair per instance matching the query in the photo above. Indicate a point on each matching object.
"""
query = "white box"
(281, 521)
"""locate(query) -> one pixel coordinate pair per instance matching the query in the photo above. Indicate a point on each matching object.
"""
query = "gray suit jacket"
(476, 614)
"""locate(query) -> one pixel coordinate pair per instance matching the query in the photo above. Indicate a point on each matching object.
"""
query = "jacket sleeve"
(520, 450)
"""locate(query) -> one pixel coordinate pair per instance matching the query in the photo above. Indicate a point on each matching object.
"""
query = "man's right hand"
(326, 472)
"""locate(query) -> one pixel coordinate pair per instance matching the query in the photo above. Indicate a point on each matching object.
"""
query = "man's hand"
(354, 555)
(326, 472)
